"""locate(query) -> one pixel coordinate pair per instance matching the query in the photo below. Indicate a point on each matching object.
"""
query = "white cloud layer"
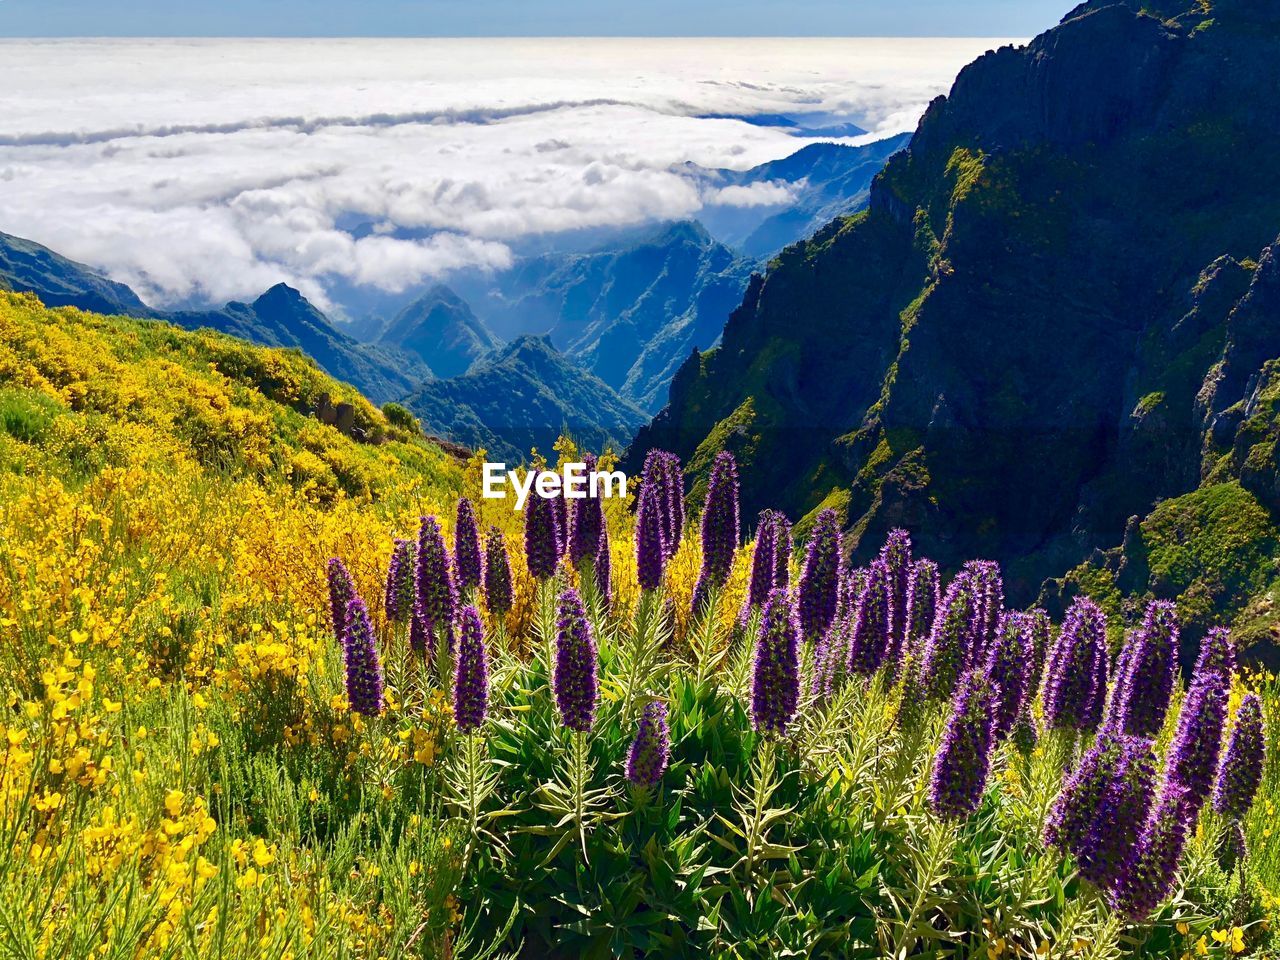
(200, 171)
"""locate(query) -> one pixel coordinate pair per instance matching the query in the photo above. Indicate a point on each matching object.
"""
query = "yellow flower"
(262, 855)
(173, 802)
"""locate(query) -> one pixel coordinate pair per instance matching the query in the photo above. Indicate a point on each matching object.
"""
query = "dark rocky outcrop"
(1005, 352)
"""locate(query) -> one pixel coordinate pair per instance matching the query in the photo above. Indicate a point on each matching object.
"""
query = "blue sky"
(976, 18)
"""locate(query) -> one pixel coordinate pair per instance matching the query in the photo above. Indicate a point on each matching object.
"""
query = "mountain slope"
(995, 353)
(440, 330)
(28, 266)
(283, 317)
(823, 181)
(521, 397)
(630, 313)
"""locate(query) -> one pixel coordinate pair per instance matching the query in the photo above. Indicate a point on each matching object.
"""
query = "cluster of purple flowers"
(471, 673)
(466, 546)
(436, 603)
(1127, 828)
(948, 654)
(1008, 666)
(586, 524)
(662, 471)
(1075, 687)
(354, 632)
(360, 657)
(498, 591)
(963, 762)
(922, 605)
(775, 674)
(542, 540)
(1125, 823)
(651, 750)
(575, 677)
(1146, 672)
(719, 528)
(651, 554)
(869, 639)
(896, 557)
(819, 581)
(770, 561)
(398, 601)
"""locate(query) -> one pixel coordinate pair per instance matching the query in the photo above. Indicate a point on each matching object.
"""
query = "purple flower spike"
(1076, 684)
(560, 508)
(398, 595)
(541, 537)
(471, 673)
(869, 644)
(437, 598)
(1103, 808)
(896, 554)
(602, 569)
(819, 582)
(1144, 681)
(763, 561)
(650, 554)
(781, 551)
(948, 652)
(1197, 745)
(719, 527)
(1152, 866)
(1242, 763)
(341, 590)
(672, 487)
(1009, 668)
(575, 675)
(1041, 633)
(1217, 652)
(988, 603)
(498, 591)
(360, 654)
(963, 762)
(775, 674)
(651, 749)
(420, 638)
(831, 656)
(466, 546)
(922, 604)
(587, 525)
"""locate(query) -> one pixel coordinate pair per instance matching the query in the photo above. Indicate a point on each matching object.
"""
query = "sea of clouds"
(199, 171)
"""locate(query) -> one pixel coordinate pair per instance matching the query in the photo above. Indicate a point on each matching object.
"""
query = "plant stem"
(579, 787)
(925, 883)
(763, 790)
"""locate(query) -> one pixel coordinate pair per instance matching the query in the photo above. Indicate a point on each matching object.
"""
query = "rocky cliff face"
(1004, 354)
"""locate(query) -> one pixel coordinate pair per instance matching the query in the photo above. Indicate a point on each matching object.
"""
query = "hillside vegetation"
(247, 715)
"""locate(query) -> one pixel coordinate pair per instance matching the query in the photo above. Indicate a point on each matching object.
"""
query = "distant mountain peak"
(441, 330)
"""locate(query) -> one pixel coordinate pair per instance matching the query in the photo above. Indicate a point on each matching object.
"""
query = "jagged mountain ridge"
(825, 180)
(974, 357)
(524, 396)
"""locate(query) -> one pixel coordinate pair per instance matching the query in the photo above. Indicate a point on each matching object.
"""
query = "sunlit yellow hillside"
(167, 505)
